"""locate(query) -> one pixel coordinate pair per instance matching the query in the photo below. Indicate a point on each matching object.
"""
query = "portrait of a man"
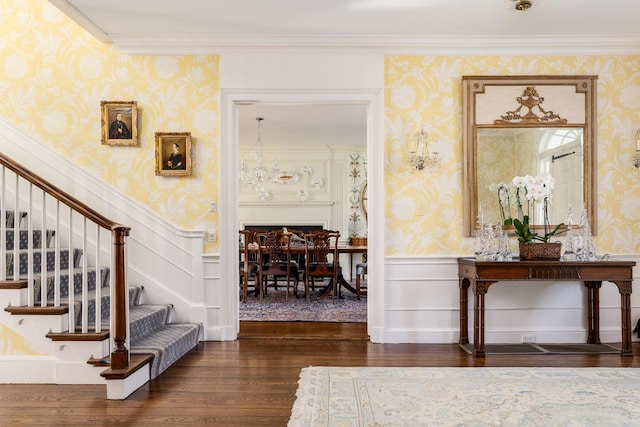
(119, 123)
(119, 129)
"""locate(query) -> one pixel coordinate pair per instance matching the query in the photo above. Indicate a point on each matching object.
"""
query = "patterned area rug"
(467, 397)
(274, 307)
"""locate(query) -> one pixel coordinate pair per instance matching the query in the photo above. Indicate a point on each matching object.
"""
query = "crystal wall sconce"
(420, 156)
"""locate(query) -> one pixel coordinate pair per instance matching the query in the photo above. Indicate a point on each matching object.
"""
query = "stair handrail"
(119, 232)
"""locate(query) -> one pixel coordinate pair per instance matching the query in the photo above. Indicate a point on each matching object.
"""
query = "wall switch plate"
(212, 236)
(213, 206)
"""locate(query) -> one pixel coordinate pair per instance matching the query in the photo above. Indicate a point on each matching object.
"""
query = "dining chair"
(275, 260)
(249, 262)
(296, 241)
(321, 259)
(361, 273)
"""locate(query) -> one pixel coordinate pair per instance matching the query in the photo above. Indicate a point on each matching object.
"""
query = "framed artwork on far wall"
(173, 153)
(119, 122)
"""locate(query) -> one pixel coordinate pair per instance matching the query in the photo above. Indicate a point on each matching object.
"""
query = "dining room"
(303, 168)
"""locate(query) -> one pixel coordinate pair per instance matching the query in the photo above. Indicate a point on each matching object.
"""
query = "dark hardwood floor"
(252, 381)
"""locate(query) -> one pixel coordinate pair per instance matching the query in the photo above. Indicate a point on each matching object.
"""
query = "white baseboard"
(28, 370)
(121, 389)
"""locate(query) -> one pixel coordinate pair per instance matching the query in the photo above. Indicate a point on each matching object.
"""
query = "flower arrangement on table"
(525, 192)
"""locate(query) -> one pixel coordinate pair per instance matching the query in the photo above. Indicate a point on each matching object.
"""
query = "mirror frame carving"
(475, 85)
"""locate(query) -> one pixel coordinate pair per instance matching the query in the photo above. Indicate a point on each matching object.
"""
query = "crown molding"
(163, 44)
(80, 19)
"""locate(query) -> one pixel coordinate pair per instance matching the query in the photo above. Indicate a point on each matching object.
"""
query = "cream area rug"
(475, 397)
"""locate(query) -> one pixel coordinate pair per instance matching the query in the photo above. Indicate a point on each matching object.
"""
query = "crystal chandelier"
(255, 178)
(420, 154)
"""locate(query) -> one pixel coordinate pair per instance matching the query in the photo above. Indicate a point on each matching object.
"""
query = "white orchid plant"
(525, 191)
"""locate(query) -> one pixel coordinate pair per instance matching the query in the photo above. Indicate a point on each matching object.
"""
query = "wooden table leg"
(478, 323)
(593, 311)
(625, 312)
(464, 309)
(625, 305)
(480, 288)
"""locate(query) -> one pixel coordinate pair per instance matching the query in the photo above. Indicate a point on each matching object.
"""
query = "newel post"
(120, 353)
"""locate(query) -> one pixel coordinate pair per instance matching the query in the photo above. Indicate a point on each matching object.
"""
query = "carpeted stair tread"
(149, 330)
(64, 279)
(167, 345)
(23, 256)
(134, 296)
(145, 320)
(24, 238)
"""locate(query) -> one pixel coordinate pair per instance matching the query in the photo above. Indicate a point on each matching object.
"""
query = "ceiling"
(182, 27)
(389, 26)
(336, 125)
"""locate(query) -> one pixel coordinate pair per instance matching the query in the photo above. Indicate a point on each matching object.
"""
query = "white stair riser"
(33, 330)
(121, 389)
(80, 351)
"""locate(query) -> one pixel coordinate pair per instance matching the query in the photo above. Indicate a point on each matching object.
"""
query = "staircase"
(56, 333)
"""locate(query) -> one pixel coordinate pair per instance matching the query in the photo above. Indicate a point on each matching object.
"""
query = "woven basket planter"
(540, 251)
(359, 241)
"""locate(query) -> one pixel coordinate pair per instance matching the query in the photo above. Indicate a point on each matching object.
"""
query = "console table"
(480, 275)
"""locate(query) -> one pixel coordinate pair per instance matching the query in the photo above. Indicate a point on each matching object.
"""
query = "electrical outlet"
(213, 206)
(213, 236)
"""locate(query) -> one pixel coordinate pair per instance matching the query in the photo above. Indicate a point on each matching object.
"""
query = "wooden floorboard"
(251, 381)
(304, 330)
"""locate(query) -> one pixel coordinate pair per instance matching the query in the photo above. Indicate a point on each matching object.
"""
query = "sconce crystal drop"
(636, 157)
(421, 157)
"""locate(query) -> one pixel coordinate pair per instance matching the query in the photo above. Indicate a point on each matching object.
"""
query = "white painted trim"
(121, 389)
(198, 44)
(283, 204)
(425, 293)
(80, 19)
(229, 99)
(28, 369)
(179, 250)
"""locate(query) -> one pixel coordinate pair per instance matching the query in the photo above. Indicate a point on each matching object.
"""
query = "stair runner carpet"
(151, 333)
(150, 330)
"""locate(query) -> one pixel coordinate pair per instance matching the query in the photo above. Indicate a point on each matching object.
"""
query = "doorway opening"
(302, 168)
(231, 207)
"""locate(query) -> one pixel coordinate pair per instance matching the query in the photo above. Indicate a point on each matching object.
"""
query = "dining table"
(350, 250)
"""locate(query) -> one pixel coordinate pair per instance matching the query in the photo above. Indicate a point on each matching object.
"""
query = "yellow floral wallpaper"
(423, 211)
(53, 75)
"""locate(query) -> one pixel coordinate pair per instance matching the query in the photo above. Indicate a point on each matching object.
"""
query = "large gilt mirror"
(528, 125)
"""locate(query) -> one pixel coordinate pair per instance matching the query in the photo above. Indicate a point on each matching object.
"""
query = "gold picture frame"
(119, 122)
(173, 153)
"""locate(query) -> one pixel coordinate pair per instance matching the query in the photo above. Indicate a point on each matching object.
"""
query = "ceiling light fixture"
(523, 5)
(256, 177)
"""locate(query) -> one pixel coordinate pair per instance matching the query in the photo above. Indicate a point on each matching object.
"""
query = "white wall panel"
(422, 305)
(301, 71)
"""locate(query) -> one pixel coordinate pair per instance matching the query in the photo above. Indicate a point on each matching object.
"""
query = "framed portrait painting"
(173, 153)
(119, 122)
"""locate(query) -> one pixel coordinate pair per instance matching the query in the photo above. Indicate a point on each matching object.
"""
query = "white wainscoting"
(421, 305)
(164, 259)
